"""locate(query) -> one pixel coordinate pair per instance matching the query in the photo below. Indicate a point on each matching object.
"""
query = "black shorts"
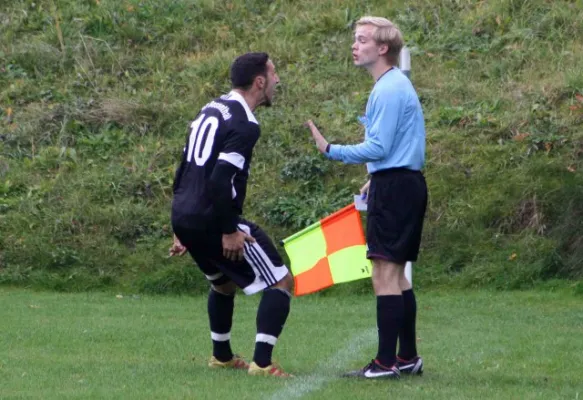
(261, 268)
(397, 202)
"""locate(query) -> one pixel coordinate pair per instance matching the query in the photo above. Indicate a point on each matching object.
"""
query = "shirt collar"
(233, 95)
(385, 73)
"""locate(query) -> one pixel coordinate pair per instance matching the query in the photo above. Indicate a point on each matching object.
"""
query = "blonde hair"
(386, 33)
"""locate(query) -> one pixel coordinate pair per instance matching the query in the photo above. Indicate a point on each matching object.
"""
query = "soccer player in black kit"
(207, 206)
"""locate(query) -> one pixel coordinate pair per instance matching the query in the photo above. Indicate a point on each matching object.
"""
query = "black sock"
(389, 321)
(220, 310)
(271, 316)
(407, 336)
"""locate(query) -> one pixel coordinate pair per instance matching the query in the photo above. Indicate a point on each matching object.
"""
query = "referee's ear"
(383, 49)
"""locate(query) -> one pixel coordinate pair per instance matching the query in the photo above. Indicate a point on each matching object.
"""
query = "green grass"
(96, 95)
(480, 344)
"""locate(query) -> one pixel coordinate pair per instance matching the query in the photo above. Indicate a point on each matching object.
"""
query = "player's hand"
(234, 245)
(177, 248)
(321, 142)
(364, 191)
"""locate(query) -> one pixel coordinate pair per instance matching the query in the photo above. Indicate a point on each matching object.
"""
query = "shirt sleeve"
(237, 149)
(385, 110)
(239, 144)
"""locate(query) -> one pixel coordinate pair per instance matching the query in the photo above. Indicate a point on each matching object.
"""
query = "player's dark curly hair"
(246, 68)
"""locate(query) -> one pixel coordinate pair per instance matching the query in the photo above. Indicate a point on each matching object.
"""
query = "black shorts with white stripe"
(262, 267)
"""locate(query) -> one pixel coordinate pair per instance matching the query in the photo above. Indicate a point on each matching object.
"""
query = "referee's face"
(365, 51)
(271, 82)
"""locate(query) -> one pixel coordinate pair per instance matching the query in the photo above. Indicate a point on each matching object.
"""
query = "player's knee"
(228, 288)
(287, 284)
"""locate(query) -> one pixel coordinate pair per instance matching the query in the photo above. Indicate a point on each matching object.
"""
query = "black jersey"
(217, 154)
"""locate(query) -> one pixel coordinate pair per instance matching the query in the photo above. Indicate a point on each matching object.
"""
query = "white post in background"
(405, 66)
(405, 61)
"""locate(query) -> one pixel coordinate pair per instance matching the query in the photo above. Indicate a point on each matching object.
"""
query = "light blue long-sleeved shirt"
(394, 128)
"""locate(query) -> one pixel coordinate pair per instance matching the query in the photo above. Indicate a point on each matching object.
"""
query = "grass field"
(483, 344)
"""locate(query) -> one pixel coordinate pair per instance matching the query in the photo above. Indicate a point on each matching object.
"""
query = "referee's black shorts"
(397, 202)
(262, 267)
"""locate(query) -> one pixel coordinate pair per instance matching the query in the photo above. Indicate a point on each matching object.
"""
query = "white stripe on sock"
(262, 337)
(221, 337)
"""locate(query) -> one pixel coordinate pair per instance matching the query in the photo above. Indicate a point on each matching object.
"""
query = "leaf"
(571, 168)
(548, 146)
(512, 257)
(579, 97)
(521, 136)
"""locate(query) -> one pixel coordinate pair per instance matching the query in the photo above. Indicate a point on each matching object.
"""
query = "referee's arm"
(386, 109)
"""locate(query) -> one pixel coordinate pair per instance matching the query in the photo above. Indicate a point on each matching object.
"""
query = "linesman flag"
(330, 251)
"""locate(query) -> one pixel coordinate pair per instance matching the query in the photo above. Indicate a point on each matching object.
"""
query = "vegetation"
(96, 95)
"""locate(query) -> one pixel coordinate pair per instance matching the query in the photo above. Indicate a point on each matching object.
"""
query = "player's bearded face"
(365, 50)
(268, 95)
(270, 83)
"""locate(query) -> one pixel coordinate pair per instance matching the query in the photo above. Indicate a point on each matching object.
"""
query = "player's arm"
(178, 173)
(237, 148)
(221, 189)
(177, 248)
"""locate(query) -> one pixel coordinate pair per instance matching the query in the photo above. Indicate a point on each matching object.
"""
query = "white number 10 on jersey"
(201, 151)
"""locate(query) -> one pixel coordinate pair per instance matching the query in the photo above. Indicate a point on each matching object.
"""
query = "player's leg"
(272, 314)
(274, 307)
(220, 306)
(220, 302)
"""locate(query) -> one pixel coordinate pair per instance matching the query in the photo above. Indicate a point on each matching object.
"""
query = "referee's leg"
(385, 278)
(407, 334)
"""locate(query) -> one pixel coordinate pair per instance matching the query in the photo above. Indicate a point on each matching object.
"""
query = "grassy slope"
(95, 97)
(515, 345)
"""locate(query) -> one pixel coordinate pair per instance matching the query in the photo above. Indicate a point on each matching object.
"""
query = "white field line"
(328, 370)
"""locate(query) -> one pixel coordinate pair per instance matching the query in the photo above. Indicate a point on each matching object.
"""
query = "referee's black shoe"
(375, 370)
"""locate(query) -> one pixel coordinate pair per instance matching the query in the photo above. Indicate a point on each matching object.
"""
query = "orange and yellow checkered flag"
(330, 251)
